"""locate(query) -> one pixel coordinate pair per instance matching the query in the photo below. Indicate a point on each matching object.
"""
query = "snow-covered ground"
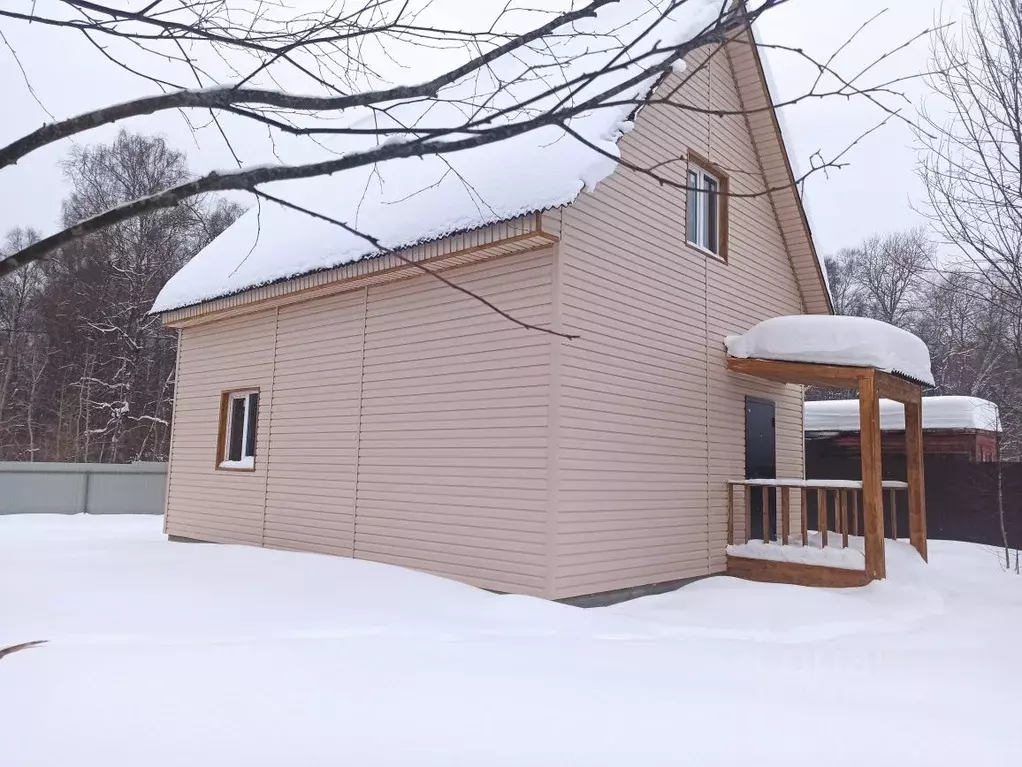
(165, 654)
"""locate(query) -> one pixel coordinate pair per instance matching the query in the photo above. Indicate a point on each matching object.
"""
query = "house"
(959, 428)
(335, 399)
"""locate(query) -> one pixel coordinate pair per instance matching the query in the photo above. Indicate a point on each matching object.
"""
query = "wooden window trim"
(723, 204)
(221, 440)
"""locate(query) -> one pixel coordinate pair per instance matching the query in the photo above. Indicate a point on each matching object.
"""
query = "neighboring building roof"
(831, 340)
(407, 201)
(938, 413)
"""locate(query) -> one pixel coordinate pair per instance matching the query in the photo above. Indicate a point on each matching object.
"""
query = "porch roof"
(825, 341)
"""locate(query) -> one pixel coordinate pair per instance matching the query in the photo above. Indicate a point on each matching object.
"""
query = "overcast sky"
(875, 193)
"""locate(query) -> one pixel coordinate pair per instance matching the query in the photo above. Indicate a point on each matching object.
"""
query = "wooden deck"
(838, 516)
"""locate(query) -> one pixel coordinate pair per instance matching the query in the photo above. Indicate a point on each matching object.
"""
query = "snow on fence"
(82, 488)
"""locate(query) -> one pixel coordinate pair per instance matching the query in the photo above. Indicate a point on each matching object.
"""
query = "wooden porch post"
(916, 479)
(872, 481)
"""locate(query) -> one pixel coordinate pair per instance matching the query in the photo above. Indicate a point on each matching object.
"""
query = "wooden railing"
(832, 507)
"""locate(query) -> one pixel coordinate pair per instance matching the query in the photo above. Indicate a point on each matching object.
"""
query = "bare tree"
(882, 276)
(844, 288)
(17, 298)
(87, 373)
(250, 62)
(972, 166)
(971, 133)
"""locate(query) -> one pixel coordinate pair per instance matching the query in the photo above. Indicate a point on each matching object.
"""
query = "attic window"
(239, 413)
(707, 208)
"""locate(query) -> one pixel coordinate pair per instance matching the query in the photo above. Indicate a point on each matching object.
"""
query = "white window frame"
(700, 197)
(247, 460)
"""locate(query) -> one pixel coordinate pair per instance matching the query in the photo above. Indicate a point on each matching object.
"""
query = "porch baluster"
(821, 514)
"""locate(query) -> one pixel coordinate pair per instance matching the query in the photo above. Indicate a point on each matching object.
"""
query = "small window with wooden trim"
(236, 444)
(706, 226)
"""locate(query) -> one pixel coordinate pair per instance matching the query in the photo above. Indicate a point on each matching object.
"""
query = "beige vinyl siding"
(202, 502)
(452, 455)
(651, 423)
(310, 495)
(403, 423)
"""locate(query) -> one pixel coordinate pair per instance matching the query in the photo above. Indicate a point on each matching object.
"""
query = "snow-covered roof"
(830, 340)
(938, 413)
(403, 202)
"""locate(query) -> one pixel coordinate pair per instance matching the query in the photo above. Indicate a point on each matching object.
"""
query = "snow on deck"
(834, 340)
(938, 413)
(402, 202)
(167, 654)
(851, 557)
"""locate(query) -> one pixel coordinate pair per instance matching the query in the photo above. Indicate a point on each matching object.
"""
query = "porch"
(811, 532)
(829, 532)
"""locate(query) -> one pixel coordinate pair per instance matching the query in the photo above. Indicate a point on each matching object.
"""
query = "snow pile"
(402, 202)
(938, 413)
(167, 654)
(848, 558)
(832, 340)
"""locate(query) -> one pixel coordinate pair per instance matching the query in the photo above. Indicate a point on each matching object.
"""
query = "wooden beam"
(747, 492)
(805, 517)
(872, 479)
(785, 515)
(730, 514)
(806, 373)
(892, 501)
(795, 572)
(764, 494)
(916, 478)
(843, 503)
(821, 515)
(897, 388)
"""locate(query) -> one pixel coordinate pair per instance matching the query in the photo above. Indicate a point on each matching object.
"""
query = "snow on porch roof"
(407, 201)
(938, 413)
(830, 340)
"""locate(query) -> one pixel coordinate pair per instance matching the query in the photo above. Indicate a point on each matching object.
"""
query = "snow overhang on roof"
(938, 413)
(832, 340)
(404, 202)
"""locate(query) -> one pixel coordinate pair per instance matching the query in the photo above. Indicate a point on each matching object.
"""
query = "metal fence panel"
(75, 488)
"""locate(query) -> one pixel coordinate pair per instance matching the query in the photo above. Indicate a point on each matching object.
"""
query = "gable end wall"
(651, 424)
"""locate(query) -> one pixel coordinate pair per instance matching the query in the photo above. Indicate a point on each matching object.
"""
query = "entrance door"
(760, 460)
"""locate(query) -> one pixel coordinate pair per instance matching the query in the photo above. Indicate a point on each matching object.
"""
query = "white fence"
(76, 488)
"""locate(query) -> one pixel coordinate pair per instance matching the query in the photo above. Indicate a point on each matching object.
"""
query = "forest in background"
(86, 374)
